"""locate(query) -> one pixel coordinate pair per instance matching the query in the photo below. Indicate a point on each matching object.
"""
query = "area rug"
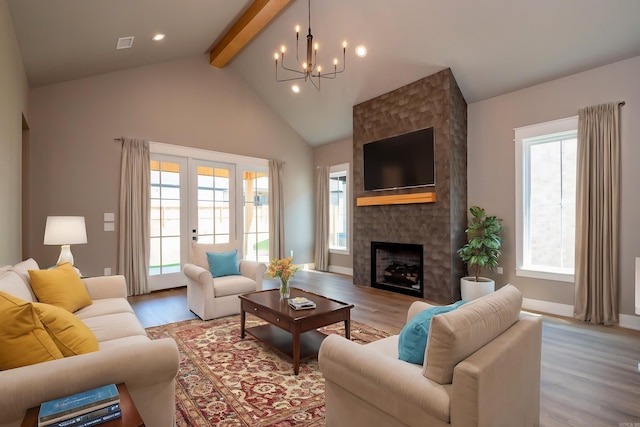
(224, 380)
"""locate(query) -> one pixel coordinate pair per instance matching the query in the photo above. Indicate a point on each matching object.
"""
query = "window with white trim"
(338, 208)
(546, 156)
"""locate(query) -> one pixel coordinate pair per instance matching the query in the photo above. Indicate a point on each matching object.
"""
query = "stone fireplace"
(434, 101)
(397, 267)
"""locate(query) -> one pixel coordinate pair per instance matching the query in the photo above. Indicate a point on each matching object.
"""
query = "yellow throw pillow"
(71, 336)
(60, 286)
(23, 340)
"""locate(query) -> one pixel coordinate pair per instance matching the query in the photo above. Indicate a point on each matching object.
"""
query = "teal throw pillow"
(412, 342)
(223, 263)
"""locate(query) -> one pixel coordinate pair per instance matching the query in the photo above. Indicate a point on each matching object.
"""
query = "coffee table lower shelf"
(282, 340)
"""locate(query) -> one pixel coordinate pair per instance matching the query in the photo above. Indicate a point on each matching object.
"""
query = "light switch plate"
(109, 217)
(109, 226)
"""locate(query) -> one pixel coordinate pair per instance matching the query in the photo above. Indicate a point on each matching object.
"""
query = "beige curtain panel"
(276, 209)
(135, 181)
(597, 215)
(322, 219)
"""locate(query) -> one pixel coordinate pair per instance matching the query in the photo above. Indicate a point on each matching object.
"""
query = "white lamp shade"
(65, 230)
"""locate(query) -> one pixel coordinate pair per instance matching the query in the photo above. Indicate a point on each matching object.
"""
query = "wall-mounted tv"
(400, 161)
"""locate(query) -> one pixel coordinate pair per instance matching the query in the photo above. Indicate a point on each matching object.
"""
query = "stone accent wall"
(434, 101)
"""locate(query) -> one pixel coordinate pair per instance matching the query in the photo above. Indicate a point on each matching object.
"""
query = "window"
(338, 208)
(546, 156)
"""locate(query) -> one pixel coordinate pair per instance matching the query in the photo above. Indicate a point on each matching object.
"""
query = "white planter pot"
(470, 289)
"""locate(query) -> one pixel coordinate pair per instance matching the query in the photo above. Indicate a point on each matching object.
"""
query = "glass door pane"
(212, 206)
(256, 215)
(165, 225)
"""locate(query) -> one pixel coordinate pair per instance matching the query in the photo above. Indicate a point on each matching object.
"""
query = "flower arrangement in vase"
(283, 269)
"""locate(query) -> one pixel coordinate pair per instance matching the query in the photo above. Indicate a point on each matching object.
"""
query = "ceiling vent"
(124, 43)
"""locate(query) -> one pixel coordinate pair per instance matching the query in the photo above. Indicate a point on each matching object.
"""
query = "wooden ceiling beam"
(259, 14)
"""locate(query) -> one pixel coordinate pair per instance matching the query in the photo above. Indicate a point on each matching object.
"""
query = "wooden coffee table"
(293, 332)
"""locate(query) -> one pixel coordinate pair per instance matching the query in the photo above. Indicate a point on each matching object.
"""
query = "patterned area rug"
(227, 381)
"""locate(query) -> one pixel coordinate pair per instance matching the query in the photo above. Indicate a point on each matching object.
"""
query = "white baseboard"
(629, 321)
(549, 307)
(341, 270)
(625, 320)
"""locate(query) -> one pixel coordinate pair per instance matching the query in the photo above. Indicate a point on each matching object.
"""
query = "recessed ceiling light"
(361, 51)
(158, 37)
(295, 89)
(124, 42)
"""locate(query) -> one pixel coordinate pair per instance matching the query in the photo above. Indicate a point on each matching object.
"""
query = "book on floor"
(77, 404)
(301, 303)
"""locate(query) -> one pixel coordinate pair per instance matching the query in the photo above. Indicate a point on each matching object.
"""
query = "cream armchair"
(210, 297)
(481, 368)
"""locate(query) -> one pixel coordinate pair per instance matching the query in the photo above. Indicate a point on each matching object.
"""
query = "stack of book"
(84, 409)
(301, 303)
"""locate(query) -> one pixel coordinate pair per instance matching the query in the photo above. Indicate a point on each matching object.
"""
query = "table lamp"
(65, 231)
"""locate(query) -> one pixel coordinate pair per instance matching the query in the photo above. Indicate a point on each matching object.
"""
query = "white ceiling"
(492, 46)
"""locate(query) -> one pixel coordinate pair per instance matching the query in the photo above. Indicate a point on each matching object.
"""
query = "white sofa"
(210, 297)
(125, 355)
(481, 368)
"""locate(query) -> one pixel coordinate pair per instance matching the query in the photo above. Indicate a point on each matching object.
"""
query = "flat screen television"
(400, 161)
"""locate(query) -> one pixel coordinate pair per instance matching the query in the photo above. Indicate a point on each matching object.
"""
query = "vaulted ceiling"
(492, 46)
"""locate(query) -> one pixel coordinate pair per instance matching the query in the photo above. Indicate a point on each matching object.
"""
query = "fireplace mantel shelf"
(397, 199)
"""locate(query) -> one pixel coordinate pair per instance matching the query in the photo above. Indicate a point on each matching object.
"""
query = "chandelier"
(309, 69)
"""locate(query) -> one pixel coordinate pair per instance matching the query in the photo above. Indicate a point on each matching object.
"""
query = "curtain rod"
(119, 139)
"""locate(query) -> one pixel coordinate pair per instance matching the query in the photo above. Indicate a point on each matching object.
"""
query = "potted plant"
(482, 250)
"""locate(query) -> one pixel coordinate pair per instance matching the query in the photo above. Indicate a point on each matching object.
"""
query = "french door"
(167, 225)
(203, 201)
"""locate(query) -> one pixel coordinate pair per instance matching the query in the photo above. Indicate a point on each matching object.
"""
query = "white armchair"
(481, 368)
(210, 297)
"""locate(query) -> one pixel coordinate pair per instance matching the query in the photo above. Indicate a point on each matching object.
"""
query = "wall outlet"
(291, 253)
(107, 271)
(499, 270)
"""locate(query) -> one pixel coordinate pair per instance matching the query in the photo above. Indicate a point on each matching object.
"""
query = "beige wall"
(491, 162)
(75, 162)
(14, 91)
(335, 154)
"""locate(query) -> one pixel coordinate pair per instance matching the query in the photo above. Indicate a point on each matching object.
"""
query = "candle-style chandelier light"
(310, 69)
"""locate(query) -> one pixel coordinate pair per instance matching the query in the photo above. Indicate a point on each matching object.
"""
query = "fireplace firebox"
(397, 267)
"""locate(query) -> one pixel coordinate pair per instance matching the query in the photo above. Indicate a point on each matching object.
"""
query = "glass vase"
(284, 289)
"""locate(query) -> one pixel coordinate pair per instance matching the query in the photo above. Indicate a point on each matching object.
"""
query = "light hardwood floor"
(589, 373)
